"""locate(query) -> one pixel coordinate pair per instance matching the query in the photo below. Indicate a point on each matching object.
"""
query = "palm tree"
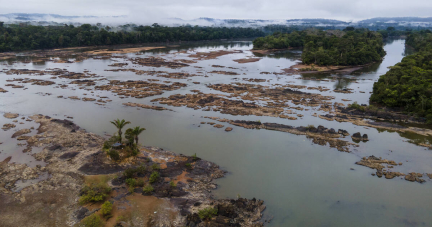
(136, 132)
(120, 124)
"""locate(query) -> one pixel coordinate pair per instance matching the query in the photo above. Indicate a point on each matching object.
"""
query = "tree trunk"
(136, 140)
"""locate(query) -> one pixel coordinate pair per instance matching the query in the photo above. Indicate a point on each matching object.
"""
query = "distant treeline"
(386, 32)
(332, 47)
(408, 84)
(29, 37)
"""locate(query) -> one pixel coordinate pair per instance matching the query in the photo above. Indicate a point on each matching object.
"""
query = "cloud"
(148, 12)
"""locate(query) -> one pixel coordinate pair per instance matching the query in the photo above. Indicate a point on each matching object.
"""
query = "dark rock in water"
(332, 131)
(379, 174)
(357, 135)
(343, 132)
(365, 137)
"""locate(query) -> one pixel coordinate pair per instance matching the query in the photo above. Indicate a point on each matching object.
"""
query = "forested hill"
(331, 47)
(408, 84)
(28, 37)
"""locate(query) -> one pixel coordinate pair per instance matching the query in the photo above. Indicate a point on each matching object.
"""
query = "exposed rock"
(10, 115)
(21, 132)
(8, 126)
(228, 129)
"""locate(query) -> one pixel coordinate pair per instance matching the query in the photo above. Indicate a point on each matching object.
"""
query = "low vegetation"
(148, 189)
(96, 189)
(154, 177)
(106, 209)
(93, 220)
(207, 213)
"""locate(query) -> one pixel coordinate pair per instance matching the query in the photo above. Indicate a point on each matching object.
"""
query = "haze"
(157, 11)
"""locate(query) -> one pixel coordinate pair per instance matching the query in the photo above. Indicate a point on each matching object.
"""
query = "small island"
(329, 50)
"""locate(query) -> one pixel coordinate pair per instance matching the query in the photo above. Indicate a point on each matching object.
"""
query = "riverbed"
(302, 184)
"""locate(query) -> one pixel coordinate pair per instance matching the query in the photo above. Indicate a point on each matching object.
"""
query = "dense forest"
(408, 84)
(28, 37)
(332, 47)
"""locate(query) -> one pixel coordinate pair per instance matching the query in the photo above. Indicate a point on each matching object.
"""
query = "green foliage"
(106, 209)
(129, 137)
(136, 132)
(408, 84)
(131, 182)
(119, 124)
(129, 172)
(154, 177)
(310, 127)
(25, 37)
(194, 157)
(94, 192)
(148, 189)
(173, 184)
(207, 213)
(93, 220)
(140, 183)
(113, 154)
(331, 47)
(355, 105)
(155, 166)
(188, 165)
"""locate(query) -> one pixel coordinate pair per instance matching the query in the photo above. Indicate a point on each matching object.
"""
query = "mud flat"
(74, 158)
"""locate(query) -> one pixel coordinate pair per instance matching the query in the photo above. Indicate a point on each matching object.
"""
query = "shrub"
(207, 213)
(142, 169)
(194, 157)
(155, 166)
(188, 165)
(355, 105)
(148, 189)
(140, 183)
(172, 184)
(92, 221)
(129, 172)
(106, 209)
(310, 127)
(94, 193)
(154, 177)
(113, 154)
(131, 182)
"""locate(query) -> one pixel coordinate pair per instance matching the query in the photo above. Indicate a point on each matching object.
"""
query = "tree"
(119, 124)
(136, 132)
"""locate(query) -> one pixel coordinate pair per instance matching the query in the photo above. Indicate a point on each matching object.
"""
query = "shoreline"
(74, 156)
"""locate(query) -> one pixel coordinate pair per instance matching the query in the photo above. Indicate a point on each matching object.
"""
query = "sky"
(158, 10)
